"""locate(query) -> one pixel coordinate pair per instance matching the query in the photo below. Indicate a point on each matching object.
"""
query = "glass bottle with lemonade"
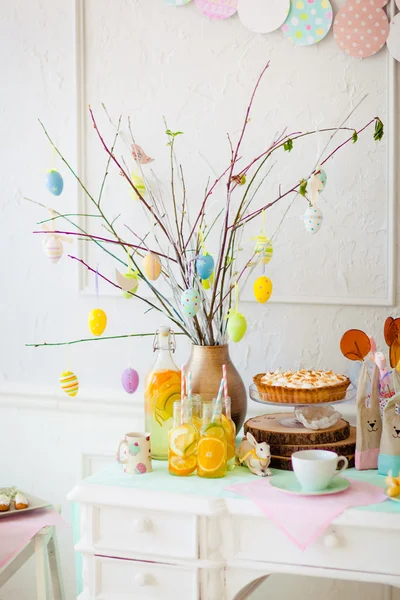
(230, 430)
(183, 439)
(162, 389)
(212, 446)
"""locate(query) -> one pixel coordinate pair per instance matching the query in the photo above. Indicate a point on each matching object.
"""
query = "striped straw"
(189, 385)
(217, 407)
(182, 394)
(224, 377)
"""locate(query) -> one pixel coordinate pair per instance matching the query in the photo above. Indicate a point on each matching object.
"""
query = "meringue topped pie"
(301, 387)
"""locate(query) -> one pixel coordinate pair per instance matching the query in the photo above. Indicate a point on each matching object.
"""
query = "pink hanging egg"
(130, 380)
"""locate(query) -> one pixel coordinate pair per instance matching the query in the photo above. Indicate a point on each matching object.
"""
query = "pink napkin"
(18, 530)
(304, 518)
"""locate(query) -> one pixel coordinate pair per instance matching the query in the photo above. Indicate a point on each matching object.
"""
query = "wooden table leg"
(42, 573)
(55, 568)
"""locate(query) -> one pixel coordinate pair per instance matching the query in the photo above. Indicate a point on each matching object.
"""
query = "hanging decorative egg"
(151, 266)
(130, 380)
(97, 321)
(204, 266)
(262, 289)
(237, 326)
(264, 246)
(320, 173)
(128, 283)
(54, 182)
(53, 248)
(190, 301)
(69, 383)
(138, 182)
(313, 219)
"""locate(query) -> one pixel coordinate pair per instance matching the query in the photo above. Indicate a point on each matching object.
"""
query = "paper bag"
(389, 456)
(369, 424)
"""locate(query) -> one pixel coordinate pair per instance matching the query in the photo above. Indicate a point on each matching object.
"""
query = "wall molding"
(391, 162)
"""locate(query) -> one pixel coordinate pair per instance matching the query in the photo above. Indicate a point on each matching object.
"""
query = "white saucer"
(289, 485)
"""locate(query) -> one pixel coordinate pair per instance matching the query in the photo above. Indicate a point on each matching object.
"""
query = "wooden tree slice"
(267, 428)
(280, 462)
(344, 447)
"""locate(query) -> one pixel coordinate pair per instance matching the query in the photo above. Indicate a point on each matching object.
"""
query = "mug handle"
(344, 466)
(118, 457)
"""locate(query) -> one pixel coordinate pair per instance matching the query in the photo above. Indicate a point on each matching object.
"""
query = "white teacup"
(315, 469)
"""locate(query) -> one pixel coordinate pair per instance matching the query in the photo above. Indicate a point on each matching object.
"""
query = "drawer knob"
(141, 525)
(331, 540)
(141, 579)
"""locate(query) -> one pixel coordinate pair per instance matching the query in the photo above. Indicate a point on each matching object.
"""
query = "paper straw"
(218, 401)
(224, 377)
(182, 394)
(189, 385)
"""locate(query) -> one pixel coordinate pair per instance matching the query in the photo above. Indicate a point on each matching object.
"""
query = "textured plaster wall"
(147, 60)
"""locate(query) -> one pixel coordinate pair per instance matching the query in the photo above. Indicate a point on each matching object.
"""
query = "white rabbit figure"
(254, 455)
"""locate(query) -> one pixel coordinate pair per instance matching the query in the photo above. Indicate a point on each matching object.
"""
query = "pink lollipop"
(380, 362)
(373, 344)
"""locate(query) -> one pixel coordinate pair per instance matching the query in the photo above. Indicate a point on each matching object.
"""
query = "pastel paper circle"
(361, 28)
(308, 21)
(217, 9)
(393, 41)
(263, 16)
(176, 2)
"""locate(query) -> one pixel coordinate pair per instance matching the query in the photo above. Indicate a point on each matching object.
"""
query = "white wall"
(149, 60)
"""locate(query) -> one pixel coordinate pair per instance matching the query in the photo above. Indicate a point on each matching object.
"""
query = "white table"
(194, 546)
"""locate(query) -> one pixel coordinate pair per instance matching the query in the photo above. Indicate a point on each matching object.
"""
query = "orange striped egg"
(69, 383)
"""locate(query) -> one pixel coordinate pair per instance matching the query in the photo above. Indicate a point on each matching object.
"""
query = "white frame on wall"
(391, 161)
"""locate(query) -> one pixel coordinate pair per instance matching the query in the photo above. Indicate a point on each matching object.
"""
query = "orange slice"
(211, 454)
(182, 466)
(214, 430)
(229, 427)
(182, 439)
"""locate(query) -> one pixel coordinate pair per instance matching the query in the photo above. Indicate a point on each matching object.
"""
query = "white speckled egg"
(190, 301)
(313, 219)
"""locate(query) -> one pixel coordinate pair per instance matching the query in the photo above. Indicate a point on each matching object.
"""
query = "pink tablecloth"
(18, 530)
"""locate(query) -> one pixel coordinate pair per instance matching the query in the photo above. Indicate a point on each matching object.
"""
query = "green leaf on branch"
(288, 145)
(173, 133)
(303, 187)
(355, 137)
(378, 133)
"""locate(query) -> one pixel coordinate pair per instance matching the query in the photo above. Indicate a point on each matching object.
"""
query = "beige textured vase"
(205, 364)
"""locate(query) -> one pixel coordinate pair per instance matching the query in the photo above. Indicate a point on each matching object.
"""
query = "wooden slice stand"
(283, 440)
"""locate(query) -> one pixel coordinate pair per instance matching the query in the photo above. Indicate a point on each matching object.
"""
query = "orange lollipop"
(355, 344)
(388, 333)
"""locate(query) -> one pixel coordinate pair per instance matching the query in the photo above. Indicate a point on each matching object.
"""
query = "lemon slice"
(214, 430)
(182, 466)
(182, 439)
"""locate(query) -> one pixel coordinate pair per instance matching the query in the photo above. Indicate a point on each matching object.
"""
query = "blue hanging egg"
(190, 301)
(204, 266)
(321, 174)
(54, 182)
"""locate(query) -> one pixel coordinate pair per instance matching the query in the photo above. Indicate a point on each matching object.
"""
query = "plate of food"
(14, 502)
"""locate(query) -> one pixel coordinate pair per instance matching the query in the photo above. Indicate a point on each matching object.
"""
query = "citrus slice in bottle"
(229, 427)
(231, 451)
(182, 466)
(183, 440)
(214, 430)
(211, 454)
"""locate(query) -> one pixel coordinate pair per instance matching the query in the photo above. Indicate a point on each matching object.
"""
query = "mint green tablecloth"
(160, 480)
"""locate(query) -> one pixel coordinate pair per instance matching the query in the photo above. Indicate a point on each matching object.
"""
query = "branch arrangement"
(176, 241)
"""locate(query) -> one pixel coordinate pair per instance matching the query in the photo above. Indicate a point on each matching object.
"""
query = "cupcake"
(20, 501)
(4, 503)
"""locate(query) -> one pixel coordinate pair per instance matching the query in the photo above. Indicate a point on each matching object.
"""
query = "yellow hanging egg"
(97, 321)
(138, 182)
(151, 266)
(130, 289)
(262, 289)
(69, 383)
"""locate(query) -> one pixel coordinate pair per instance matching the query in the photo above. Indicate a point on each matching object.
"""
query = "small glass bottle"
(162, 389)
(182, 442)
(196, 403)
(212, 447)
(230, 431)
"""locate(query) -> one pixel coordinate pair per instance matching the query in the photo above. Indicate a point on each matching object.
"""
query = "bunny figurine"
(254, 455)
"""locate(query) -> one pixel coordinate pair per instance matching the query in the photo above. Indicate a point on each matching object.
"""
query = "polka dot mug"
(134, 453)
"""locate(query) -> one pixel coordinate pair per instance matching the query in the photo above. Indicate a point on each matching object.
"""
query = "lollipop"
(355, 344)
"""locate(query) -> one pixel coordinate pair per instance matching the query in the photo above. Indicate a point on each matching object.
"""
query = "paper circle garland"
(393, 41)
(308, 21)
(97, 321)
(361, 27)
(237, 326)
(204, 266)
(217, 9)
(263, 16)
(262, 289)
(190, 301)
(151, 266)
(53, 248)
(69, 383)
(54, 182)
(130, 380)
(313, 218)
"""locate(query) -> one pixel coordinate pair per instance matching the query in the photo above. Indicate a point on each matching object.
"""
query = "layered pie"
(301, 387)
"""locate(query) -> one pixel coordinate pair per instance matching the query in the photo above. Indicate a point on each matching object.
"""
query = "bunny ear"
(251, 439)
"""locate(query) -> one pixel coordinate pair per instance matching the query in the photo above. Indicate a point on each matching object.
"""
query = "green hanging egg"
(237, 326)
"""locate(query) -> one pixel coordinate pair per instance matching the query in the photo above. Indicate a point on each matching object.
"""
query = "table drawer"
(119, 579)
(339, 547)
(144, 531)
